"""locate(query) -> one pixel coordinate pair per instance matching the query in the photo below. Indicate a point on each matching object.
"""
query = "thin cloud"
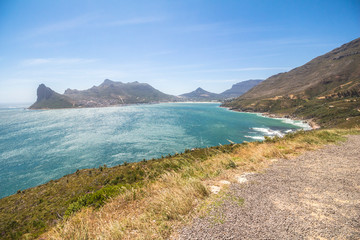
(58, 61)
(199, 27)
(217, 80)
(87, 20)
(134, 21)
(61, 26)
(160, 53)
(286, 41)
(243, 69)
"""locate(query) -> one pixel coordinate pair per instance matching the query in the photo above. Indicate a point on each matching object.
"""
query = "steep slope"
(47, 98)
(326, 89)
(240, 88)
(201, 95)
(320, 77)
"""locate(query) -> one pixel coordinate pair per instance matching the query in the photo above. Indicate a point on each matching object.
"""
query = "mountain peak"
(107, 82)
(201, 94)
(199, 89)
(47, 98)
(43, 92)
(240, 88)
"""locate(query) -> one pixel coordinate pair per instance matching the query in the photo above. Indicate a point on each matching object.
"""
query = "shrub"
(230, 164)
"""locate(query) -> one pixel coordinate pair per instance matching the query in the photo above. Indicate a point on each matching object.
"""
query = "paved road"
(315, 196)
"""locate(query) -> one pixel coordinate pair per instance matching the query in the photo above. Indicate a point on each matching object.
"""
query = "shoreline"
(235, 110)
(311, 122)
(116, 105)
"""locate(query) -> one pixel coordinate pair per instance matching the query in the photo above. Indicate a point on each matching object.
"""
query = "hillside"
(201, 95)
(106, 94)
(327, 89)
(240, 88)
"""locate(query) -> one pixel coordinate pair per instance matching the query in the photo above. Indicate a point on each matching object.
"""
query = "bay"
(40, 145)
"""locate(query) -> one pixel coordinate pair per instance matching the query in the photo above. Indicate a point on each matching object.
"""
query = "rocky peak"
(44, 92)
(199, 89)
(70, 91)
(107, 82)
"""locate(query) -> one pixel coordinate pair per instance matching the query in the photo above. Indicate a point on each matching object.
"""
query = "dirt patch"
(315, 196)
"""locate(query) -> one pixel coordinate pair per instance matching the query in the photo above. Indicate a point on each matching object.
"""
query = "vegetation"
(144, 200)
(328, 112)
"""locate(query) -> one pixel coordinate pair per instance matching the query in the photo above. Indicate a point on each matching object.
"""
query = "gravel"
(315, 196)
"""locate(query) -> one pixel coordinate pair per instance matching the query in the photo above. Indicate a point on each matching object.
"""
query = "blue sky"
(176, 46)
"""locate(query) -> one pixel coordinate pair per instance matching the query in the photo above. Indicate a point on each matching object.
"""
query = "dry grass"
(161, 206)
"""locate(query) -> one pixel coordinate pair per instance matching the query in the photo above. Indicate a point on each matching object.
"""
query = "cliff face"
(47, 98)
(44, 92)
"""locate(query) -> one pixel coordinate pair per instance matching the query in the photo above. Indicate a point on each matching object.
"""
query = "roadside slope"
(314, 196)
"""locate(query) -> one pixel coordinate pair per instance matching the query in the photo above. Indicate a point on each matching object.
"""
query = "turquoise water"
(39, 145)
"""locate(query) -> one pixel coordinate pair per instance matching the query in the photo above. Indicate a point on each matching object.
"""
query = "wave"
(302, 124)
(298, 123)
(268, 131)
(256, 137)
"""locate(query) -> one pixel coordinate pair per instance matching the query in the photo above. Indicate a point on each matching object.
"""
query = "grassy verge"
(33, 211)
(172, 190)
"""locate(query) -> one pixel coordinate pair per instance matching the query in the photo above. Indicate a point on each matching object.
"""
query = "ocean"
(37, 146)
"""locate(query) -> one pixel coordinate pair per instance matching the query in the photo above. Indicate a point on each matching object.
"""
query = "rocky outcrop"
(48, 99)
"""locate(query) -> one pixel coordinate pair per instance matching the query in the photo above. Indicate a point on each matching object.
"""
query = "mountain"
(326, 89)
(240, 88)
(47, 98)
(201, 95)
(106, 94)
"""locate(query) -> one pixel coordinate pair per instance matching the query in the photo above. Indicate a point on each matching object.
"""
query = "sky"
(175, 45)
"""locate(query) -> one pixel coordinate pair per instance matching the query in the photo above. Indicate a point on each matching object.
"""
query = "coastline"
(311, 122)
(66, 193)
(116, 105)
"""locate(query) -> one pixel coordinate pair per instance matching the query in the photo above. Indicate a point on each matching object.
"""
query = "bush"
(230, 164)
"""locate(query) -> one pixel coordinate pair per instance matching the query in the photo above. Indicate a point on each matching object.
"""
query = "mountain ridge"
(236, 90)
(108, 93)
(201, 94)
(326, 89)
(240, 88)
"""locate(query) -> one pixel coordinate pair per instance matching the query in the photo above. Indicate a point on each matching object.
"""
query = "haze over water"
(37, 146)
